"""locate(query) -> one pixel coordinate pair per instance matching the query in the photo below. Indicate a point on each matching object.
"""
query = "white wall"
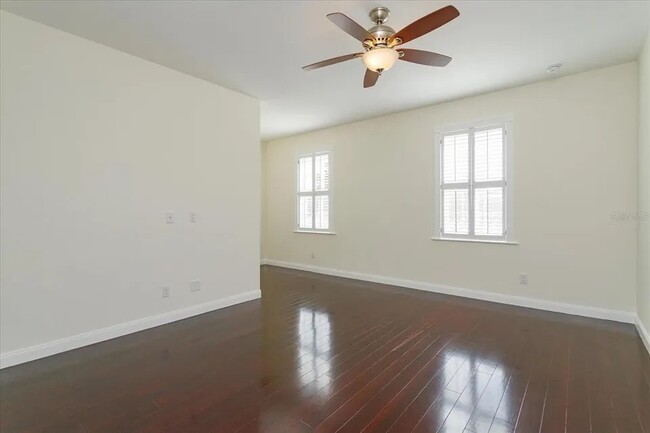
(96, 146)
(575, 170)
(643, 293)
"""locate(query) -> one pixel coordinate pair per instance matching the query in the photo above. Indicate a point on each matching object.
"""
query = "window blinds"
(473, 183)
(314, 191)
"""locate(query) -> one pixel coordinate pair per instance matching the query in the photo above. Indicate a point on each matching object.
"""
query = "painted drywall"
(96, 147)
(643, 215)
(263, 201)
(575, 169)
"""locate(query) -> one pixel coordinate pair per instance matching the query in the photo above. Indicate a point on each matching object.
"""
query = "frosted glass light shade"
(380, 59)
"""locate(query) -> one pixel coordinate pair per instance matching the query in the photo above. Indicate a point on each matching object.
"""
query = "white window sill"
(315, 232)
(476, 241)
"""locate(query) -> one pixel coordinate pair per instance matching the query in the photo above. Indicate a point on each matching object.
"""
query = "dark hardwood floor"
(325, 354)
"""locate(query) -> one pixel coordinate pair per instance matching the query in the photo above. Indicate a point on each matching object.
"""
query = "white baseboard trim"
(521, 301)
(643, 333)
(32, 353)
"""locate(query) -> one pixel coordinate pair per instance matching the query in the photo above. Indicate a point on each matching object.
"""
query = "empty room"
(324, 216)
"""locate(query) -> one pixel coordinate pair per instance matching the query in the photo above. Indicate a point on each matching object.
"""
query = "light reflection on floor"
(314, 334)
(472, 386)
(473, 391)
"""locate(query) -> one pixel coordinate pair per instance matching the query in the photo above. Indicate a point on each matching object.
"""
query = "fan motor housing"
(380, 31)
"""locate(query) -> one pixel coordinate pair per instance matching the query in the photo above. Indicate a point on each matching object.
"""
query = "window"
(314, 200)
(474, 193)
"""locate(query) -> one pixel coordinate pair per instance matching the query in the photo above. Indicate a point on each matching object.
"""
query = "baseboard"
(32, 353)
(521, 301)
(643, 333)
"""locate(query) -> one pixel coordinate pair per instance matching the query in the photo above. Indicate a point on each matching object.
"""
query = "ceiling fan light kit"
(380, 41)
(380, 59)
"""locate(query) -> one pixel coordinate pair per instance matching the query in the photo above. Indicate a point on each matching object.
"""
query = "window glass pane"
(455, 158)
(305, 207)
(488, 211)
(322, 174)
(305, 174)
(455, 211)
(488, 155)
(322, 211)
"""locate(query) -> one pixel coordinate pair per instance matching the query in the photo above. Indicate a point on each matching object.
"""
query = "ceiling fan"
(380, 42)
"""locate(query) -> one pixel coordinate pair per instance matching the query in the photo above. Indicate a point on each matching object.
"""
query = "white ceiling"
(259, 47)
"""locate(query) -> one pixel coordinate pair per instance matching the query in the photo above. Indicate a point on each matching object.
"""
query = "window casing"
(474, 182)
(314, 203)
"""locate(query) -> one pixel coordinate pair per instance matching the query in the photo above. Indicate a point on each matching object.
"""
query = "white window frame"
(313, 193)
(508, 237)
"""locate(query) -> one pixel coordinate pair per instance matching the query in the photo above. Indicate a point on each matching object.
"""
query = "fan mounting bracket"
(379, 15)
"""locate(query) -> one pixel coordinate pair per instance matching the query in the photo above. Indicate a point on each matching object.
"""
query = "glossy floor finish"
(325, 354)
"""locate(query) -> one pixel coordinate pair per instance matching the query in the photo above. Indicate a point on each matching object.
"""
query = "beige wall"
(643, 293)
(96, 146)
(574, 172)
(263, 201)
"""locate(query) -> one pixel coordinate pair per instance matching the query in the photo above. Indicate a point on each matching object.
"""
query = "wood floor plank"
(428, 360)
(327, 354)
(555, 401)
(457, 418)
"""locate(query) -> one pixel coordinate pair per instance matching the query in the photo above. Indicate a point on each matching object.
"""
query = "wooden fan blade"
(424, 57)
(331, 61)
(426, 24)
(349, 26)
(370, 79)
